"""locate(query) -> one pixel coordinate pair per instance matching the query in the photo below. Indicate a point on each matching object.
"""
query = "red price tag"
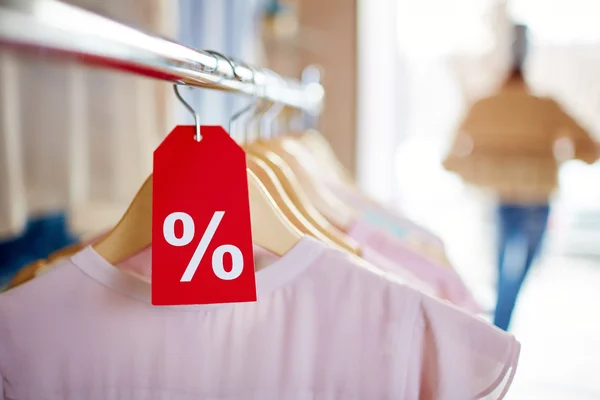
(201, 235)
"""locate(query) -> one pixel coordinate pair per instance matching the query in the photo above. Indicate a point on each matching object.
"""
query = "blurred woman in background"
(512, 144)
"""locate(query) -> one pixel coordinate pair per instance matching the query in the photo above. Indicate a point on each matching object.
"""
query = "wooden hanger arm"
(133, 232)
(271, 230)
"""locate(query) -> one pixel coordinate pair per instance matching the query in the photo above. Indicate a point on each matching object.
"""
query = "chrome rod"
(72, 33)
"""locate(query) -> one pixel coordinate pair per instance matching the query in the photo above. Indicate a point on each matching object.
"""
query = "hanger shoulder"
(294, 190)
(330, 206)
(65, 252)
(274, 186)
(27, 273)
(271, 229)
(315, 142)
(133, 232)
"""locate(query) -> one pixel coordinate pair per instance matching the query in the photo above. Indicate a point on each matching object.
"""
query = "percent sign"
(186, 238)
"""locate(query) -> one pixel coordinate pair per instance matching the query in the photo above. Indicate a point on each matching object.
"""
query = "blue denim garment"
(521, 229)
(41, 237)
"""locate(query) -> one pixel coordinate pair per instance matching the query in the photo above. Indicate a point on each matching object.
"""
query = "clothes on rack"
(326, 325)
(48, 161)
(392, 222)
(337, 284)
(356, 302)
(399, 239)
(445, 283)
(320, 310)
(368, 209)
(377, 247)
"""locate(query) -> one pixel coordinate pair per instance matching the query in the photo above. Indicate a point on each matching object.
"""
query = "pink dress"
(384, 218)
(327, 326)
(445, 283)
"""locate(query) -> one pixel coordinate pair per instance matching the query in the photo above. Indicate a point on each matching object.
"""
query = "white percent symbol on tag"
(189, 229)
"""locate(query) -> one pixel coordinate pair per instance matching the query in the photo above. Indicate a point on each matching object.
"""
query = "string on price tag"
(201, 234)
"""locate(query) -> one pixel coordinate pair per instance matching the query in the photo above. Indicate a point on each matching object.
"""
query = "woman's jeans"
(520, 232)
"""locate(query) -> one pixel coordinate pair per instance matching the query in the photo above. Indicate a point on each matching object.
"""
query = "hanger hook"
(197, 136)
(196, 116)
(218, 55)
(271, 114)
(259, 110)
(232, 64)
(251, 105)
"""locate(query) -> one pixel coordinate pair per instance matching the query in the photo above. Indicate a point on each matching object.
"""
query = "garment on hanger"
(393, 268)
(326, 325)
(446, 283)
(316, 164)
(387, 253)
(429, 265)
(139, 264)
(422, 239)
(393, 256)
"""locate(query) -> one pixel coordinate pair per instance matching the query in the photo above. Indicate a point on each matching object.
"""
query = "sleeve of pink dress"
(459, 357)
(447, 282)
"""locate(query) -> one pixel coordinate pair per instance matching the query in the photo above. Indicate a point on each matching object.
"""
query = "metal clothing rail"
(70, 32)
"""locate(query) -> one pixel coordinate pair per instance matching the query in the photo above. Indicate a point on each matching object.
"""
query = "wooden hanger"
(133, 232)
(139, 242)
(316, 143)
(273, 185)
(336, 211)
(318, 225)
(332, 208)
(27, 273)
(272, 180)
(271, 229)
(113, 252)
(33, 269)
(299, 199)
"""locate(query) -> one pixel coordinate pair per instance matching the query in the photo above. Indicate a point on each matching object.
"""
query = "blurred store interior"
(446, 53)
(399, 76)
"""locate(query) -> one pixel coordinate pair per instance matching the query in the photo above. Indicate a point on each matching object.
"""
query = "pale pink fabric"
(391, 267)
(445, 283)
(350, 196)
(326, 326)
(140, 263)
